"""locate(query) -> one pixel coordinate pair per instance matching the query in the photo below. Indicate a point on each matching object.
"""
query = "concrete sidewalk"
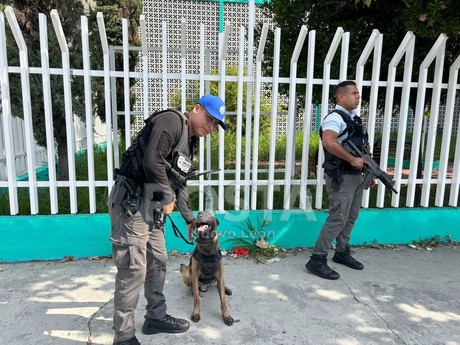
(403, 296)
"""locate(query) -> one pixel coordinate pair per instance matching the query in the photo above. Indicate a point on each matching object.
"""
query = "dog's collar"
(210, 259)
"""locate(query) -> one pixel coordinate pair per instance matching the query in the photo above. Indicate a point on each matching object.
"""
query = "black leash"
(177, 232)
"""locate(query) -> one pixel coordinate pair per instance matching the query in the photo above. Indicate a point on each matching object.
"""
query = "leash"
(177, 232)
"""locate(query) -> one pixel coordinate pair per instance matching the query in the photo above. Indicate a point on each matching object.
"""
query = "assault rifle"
(195, 174)
(178, 180)
(372, 170)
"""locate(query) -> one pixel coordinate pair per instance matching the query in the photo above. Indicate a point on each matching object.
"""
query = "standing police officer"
(343, 182)
(150, 182)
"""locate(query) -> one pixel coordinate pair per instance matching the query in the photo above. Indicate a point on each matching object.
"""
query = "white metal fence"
(99, 128)
(19, 149)
(40, 154)
(246, 184)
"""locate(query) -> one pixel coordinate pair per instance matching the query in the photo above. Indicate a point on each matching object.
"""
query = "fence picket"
(257, 99)
(433, 123)
(27, 109)
(108, 103)
(419, 115)
(292, 111)
(70, 129)
(7, 123)
(273, 120)
(304, 171)
(446, 134)
(202, 66)
(48, 109)
(338, 37)
(89, 115)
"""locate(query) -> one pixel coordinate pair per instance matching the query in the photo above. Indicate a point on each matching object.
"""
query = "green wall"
(26, 238)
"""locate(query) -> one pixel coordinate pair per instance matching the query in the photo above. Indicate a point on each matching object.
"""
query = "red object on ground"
(240, 251)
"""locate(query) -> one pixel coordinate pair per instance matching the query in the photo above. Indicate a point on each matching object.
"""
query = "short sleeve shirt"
(334, 122)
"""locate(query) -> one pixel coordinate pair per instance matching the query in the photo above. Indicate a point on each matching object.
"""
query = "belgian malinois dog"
(206, 266)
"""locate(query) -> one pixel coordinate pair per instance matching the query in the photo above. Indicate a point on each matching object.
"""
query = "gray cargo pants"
(139, 253)
(344, 206)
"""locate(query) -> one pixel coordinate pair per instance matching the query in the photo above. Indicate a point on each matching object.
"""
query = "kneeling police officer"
(149, 184)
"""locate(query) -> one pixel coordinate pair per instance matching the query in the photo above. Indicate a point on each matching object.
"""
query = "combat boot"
(166, 324)
(318, 265)
(132, 341)
(346, 259)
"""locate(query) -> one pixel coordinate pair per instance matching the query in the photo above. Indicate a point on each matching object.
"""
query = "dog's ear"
(217, 221)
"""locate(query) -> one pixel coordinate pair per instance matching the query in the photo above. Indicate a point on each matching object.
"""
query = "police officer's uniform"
(142, 187)
(343, 183)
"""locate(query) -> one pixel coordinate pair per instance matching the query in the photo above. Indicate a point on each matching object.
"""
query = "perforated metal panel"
(194, 12)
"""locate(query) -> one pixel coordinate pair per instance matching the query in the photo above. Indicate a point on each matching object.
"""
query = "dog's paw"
(196, 317)
(228, 291)
(183, 268)
(228, 320)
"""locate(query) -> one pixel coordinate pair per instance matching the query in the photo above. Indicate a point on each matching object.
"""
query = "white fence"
(40, 154)
(99, 129)
(241, 185)
(19, 149)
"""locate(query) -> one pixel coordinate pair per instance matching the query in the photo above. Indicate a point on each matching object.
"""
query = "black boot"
(346, 259)
(166, 324)
(132, 341)
(318, 265)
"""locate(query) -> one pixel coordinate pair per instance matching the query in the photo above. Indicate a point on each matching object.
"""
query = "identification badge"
(184, 164)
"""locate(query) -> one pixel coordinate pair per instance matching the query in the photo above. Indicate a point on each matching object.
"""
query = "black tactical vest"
(356, 133)
(131, 166)
(208, 265)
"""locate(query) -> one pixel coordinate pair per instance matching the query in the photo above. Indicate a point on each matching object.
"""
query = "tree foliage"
(113, 11)
(26, 13)
(393, 18)
(231, 99)
(70, 13)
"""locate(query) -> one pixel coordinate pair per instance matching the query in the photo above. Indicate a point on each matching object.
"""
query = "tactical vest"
(131, 166)
(208, 265)
(356, 133)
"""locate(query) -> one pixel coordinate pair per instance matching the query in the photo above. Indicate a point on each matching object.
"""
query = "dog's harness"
(208, 265)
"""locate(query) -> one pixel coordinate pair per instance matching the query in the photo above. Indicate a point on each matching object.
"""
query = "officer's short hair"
(342, 86)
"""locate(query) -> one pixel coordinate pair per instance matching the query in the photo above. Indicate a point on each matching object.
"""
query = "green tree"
(27, 15)
(113, 11)
(393, 18)
(70, 13)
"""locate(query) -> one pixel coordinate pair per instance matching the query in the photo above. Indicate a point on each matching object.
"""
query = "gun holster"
(335, 172)
(127, 194)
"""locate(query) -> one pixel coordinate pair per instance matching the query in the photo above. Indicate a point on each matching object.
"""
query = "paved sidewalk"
(403, 296)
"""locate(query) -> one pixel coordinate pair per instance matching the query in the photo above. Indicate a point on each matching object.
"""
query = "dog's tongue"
(204, 227)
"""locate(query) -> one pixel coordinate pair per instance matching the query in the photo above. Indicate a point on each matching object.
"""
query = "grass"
(63, 194)
(437, 147)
